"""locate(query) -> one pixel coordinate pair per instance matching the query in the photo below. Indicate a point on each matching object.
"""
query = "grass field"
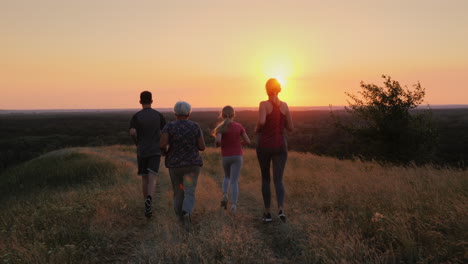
(83, 205)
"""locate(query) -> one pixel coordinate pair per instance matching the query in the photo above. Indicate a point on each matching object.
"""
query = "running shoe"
(224, 202)
(148, 209)
(233, 209)
(282, 216)
(267, 218)
(187, 222)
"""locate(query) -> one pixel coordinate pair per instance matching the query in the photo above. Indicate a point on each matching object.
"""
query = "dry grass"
(338, 212)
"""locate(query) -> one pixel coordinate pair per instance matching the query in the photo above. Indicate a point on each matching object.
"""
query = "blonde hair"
(228, 114)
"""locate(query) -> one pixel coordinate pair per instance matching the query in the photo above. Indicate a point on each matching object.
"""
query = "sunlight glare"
(280, 79)
(281, 60)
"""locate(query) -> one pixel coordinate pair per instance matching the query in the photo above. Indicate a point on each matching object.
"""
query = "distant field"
(83, 205)
(25, 136)
(201, 109)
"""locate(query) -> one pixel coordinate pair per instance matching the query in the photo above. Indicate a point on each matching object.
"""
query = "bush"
(385, 126)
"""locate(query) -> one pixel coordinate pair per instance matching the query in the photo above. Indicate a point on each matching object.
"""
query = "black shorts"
(147, 164)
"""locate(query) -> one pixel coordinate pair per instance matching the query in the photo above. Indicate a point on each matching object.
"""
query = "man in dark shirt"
(145, 130)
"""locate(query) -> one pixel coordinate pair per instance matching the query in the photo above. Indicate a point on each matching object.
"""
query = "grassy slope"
(84, 205)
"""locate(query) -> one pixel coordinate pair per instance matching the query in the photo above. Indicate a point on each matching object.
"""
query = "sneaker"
(224, 202)
(148, 209)
(267, 218)
(187, 222)
(233, 209)
(282, 216)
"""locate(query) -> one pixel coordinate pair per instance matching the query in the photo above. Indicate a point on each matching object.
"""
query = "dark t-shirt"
(148, 124)
(183, 148)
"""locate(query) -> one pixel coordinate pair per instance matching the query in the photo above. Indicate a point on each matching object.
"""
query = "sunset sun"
(279, 69)
(280, 79)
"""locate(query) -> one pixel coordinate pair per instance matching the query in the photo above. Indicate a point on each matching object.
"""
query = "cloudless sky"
(103, 53)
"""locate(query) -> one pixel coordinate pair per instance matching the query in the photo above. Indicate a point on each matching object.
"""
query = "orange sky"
(59, 54)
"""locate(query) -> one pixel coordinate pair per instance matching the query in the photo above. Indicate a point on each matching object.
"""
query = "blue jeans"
(232, 166)
(278, 158)
(184, 182)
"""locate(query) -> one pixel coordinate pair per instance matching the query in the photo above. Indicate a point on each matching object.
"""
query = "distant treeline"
(25, 136)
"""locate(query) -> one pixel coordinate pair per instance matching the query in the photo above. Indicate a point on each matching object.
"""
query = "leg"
(150, 186)
(144, 185)
(235, 173)
(153, 169)
(178, 190)
(190, 178)
(143, 172)
(151, 183)
(227, 175)
(264, 162)
(279, 163)
(143, 163)
(147, 195)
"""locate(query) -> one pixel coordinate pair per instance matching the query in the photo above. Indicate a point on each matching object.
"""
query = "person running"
(181, 141)
(228, 135)
(274, 119)
(145, 128)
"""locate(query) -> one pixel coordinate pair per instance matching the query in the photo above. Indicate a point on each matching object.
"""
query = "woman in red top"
(274, 119)
(228, 136)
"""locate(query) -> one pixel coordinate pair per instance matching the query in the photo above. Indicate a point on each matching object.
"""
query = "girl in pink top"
(230, 136)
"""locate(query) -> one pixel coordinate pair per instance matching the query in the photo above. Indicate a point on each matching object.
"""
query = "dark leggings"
(278, 157)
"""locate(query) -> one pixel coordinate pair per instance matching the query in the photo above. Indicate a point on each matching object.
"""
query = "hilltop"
(84, 205)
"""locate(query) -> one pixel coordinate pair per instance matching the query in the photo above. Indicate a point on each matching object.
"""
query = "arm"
(246, 138)
(261, 117)
(133, 131)
(219, 136)
(289, 122)
(162, 121)
(133, 134)
(201, 141)
(163, 143)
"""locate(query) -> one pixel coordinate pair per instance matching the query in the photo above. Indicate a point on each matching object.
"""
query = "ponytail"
(228, 114)
(275, 99)
(223, 126)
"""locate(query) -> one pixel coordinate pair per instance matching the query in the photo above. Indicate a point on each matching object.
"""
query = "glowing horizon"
(101, 55)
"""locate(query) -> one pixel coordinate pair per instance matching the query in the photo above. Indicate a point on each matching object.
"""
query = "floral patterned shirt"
(183, 148)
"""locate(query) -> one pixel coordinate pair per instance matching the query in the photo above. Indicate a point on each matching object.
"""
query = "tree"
(386, 126)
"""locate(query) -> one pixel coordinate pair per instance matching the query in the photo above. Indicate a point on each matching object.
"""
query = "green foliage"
(385, 126)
